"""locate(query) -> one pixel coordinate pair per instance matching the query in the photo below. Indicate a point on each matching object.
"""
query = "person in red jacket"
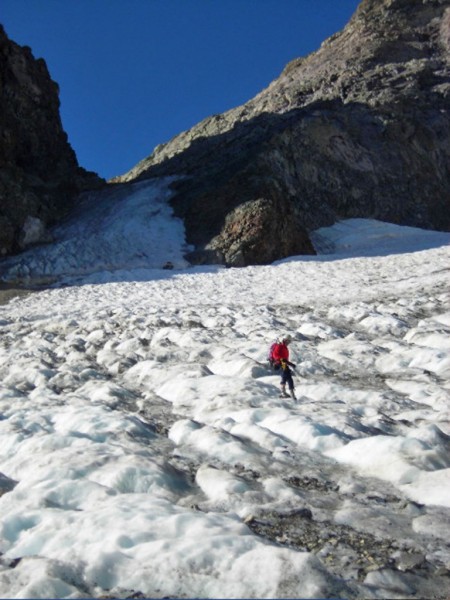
(280, 356)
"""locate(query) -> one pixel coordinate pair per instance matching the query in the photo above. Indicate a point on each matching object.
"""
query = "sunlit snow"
(144, 449)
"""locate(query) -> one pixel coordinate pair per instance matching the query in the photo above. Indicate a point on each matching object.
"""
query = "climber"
(280, 356)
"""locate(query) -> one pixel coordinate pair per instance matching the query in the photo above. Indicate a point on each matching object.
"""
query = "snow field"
(77, 397)
(143, 445)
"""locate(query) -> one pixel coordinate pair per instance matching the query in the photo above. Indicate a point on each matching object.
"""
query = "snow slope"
(144, 450)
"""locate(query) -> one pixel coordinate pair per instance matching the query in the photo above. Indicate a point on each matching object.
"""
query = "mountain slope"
(144, 449)
(40, 176)
(360, 128)
(129, 233)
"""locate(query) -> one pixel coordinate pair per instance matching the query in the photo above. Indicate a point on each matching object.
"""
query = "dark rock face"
(39, 173)
(360, 128)
(245, 220)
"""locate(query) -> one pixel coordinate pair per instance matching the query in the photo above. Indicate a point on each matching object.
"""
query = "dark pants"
(286, 377)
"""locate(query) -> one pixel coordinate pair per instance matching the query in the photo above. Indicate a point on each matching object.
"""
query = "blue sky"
(134, 73)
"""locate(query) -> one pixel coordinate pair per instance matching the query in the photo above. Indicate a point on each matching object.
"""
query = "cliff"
(39, 173)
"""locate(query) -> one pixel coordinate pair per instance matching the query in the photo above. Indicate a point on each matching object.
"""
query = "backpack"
(270, 358)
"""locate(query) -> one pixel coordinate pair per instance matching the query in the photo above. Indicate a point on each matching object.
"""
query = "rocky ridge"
(360, 128)
(39, 177)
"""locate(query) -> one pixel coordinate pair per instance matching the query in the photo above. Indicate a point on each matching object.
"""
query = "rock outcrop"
(39, 172)
(360, 128)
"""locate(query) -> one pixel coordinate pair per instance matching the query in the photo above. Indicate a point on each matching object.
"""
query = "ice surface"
(144, 448)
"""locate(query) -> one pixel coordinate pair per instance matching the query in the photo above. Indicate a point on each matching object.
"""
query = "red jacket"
(281, 351)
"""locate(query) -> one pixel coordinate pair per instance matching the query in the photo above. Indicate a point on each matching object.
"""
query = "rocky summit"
(359, 128)
(39, 174)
